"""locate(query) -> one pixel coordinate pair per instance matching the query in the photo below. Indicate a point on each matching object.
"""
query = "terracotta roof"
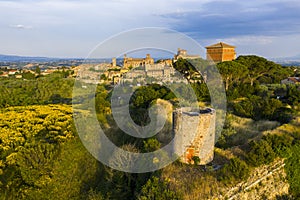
(294, 79)
(220, 45)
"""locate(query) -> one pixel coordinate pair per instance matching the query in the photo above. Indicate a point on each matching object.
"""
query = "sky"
(73, 28)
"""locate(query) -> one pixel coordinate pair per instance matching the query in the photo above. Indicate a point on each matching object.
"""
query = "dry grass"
(248, 129)
(191, 181)
(291, 128)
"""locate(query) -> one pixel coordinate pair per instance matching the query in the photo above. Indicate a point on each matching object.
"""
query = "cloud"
(20, 26)
(231, 18)
(74, 27)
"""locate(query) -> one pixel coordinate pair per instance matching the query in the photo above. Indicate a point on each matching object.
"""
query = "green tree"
(234, 171)
(231, 72)
(259, 67)
(36, 162)
(38, 70)
(261, 153)
(157, 189)
(28, 75)
(292, 168)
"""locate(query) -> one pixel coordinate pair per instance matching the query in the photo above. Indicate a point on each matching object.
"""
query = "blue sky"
(72, 28)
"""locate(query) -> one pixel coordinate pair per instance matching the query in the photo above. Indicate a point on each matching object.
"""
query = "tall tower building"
(220, 52)
(114, 62)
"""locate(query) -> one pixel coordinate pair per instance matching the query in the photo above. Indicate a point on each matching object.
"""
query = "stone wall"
(194, 134)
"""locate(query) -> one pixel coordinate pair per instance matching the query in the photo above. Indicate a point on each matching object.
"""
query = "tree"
(234, 171)
(293, 171)
(231, 72)
(36, 162)
(259, 67)
(261, 153)
(38, 70)
(157, 189)
(185, 68)
(28, 75)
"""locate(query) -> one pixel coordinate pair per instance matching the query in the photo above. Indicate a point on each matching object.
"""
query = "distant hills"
(287, 61)
(14, 58)
(28, 59)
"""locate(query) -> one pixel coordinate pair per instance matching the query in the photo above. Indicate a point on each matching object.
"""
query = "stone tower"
(114, 62)
(220, 52)
(194, 134)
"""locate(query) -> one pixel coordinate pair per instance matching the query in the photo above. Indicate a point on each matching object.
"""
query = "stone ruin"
(194, 134)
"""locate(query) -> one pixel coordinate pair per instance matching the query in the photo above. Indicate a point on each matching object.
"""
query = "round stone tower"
(194, 134)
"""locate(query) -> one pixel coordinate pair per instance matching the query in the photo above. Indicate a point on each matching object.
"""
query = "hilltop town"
(137, 69)
(128, 70)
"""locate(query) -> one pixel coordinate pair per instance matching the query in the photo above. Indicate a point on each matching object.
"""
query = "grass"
(246, 129)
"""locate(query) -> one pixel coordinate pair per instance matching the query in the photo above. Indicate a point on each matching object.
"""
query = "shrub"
(261, 153)
(234, 171)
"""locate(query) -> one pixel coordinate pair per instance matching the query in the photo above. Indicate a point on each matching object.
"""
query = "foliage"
(293, 95)
(261, 69)
(44, 90)
(142, 99)
(196, 160)
(227, 132)
(293, 171)
(280, 144)
(261, 153)
(157, 189)
(186, 68)
(42, 158)
(201, 91)
(151, 145)
(232, 72)
(234, 171)
(258, 108)
(30, 138)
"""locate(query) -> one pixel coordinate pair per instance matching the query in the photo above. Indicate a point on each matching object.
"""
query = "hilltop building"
(137, 62)
(220, 52)
(181, 53)
(159, 71)
(114, 62)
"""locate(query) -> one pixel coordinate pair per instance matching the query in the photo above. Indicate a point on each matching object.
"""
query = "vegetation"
(41, 156)
(236, 170)
(157, 189)
(40, 91)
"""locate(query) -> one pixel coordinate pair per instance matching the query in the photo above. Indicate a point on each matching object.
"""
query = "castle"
(195, 134)
(220, 52)
(181, 53)
(137, 62)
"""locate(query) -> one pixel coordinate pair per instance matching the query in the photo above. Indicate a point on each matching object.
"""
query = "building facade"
(220, 52)
(137, 62)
